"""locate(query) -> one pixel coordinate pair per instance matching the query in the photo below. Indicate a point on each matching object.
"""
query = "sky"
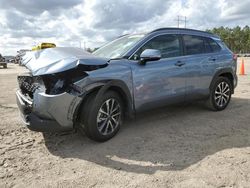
(91, 23)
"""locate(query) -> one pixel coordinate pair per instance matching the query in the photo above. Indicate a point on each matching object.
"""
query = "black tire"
(90, 115)
(5, 66)
(218, 101)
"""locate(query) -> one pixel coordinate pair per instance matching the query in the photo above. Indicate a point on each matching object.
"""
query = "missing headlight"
(28, 84)
(64, 82)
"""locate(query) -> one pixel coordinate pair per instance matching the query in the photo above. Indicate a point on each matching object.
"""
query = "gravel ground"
(177, 146)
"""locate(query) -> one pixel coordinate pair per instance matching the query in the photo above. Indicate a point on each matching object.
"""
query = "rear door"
(200, 65)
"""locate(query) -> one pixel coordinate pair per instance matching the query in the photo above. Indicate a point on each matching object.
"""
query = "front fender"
(103, 86)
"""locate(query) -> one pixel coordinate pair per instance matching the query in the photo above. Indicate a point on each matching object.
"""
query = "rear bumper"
(50, 115)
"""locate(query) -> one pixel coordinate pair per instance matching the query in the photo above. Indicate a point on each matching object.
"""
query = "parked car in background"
(3, 62)
(12, 60)
(67, 88)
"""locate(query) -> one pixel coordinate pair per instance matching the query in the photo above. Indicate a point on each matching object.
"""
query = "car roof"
(184, 31)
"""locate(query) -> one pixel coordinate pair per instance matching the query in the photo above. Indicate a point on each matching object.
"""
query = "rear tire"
(220, 94)
(5, 66)
(101, 119)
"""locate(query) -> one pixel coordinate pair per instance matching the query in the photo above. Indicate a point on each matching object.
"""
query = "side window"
(214, 46)
(208, 48)
(194, 44)
(169, 45)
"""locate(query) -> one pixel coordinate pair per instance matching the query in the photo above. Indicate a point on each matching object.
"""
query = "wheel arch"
(227, 72)
(99, 88)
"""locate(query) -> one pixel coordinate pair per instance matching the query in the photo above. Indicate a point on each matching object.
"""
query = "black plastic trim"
(43, 125)
(182, 29)
(224, 71)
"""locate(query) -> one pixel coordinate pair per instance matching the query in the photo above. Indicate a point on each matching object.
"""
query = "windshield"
(118, 47)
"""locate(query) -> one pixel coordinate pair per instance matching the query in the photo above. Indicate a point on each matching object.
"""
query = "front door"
(161, 82)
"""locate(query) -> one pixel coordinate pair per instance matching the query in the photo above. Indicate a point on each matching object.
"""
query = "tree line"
(237, 38)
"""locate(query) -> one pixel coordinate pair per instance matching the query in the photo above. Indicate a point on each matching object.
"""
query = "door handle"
(179, 63)
(212, 59)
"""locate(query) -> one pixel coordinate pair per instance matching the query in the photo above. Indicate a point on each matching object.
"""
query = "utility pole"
(179, 20)
(84, 45)
(185, 22)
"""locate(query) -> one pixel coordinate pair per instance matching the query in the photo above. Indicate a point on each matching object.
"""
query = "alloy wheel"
(109, 116)
(222, 94)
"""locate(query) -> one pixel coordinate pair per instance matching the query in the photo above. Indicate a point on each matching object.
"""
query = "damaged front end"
(47, 102)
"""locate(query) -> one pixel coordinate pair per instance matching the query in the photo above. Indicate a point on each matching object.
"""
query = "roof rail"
(183, 29)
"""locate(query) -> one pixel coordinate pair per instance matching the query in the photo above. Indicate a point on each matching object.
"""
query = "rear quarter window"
(214, 45)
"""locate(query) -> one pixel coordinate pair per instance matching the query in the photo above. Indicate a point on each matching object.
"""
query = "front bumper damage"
(48, 113)
(48, 96)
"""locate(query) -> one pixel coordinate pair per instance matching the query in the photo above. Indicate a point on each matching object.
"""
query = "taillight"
(235, 57)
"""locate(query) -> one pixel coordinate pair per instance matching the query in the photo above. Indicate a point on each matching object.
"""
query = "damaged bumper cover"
(48, 95)
(48, 113)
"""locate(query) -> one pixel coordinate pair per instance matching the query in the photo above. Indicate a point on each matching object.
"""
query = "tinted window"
(214, 46)
(194, 44)
(169, 46)
(208, 48)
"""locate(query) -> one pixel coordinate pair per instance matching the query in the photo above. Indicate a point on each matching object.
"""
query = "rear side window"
(199, 45)
(215, 47)
(208, 48)
(169, 45)
(194, 44)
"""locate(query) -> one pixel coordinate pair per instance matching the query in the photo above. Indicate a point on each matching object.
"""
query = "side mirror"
(150, 55)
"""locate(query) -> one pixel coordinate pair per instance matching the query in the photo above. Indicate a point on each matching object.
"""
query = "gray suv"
(67, 88)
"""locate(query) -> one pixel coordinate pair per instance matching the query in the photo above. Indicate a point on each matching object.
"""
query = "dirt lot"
(181, 146)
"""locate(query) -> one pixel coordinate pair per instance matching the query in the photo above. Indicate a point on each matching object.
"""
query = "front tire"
(220, 94)
(101, 118)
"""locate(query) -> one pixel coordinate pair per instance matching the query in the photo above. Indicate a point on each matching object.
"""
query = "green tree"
(237, 38)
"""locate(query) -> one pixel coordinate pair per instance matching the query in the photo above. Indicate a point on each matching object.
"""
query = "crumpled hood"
(54, 60)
